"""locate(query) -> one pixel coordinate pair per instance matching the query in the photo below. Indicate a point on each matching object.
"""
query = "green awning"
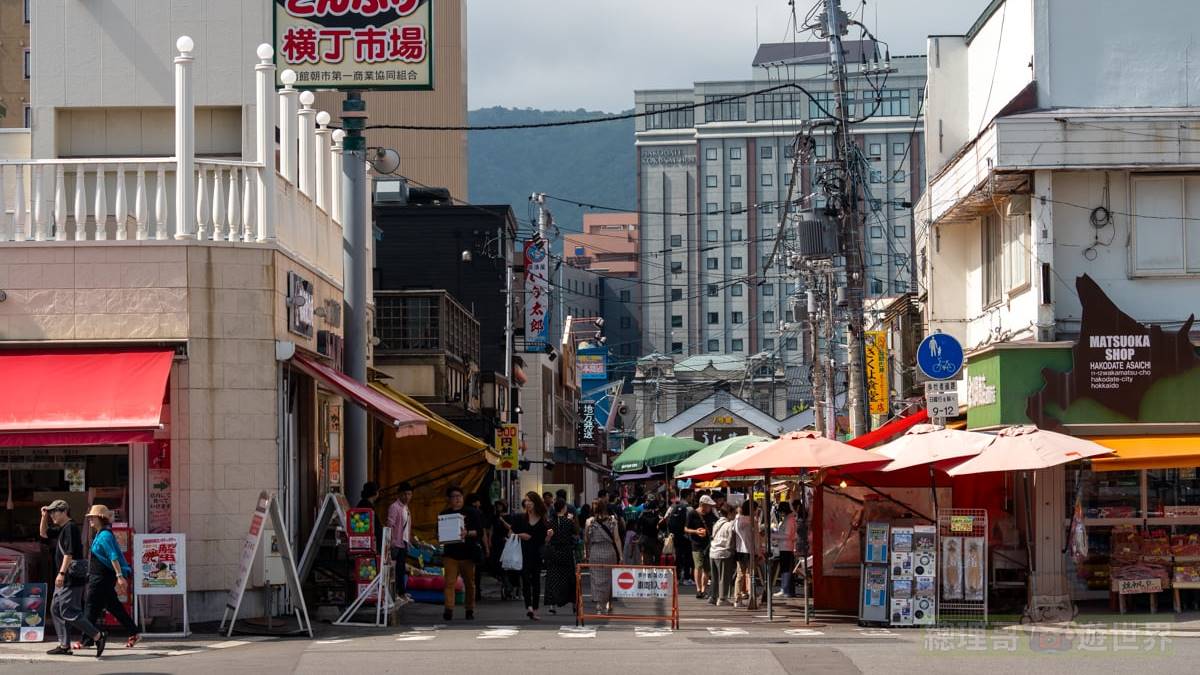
(712, 453)
(655, 451)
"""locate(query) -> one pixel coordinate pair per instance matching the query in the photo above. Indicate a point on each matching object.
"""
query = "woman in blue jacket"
(107, 570)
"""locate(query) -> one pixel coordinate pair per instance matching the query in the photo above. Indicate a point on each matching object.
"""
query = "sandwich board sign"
(267, 506)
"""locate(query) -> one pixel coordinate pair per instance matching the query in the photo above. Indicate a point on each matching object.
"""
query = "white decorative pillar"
(335, 176)
(100, 210)
(22, 218)
(141, 205)
(120, 204)
(185, 141)
(4, 228)
(80, 204)
(322, 160)
(264, 74)
(60, 204)
(289, 107)
(308, 168)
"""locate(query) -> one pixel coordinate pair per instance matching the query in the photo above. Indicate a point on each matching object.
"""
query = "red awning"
(404, 420)
(889, 431)
(82, 396)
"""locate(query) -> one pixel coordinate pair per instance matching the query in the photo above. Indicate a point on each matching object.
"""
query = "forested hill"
(591, 163)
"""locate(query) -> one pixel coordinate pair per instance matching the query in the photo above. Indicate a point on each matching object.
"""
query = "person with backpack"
(675, 521)
(648, 542)
(722, 551)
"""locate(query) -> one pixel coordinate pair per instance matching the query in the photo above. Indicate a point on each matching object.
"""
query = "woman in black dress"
(560, 558)
(533, 531)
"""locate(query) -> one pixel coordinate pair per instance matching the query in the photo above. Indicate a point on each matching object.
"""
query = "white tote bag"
(511, 558)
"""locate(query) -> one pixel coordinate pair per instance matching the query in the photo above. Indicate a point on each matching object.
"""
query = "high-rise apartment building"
(15, 62)
(712, 182)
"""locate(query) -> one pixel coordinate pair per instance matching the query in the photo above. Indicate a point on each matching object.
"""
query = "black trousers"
(102, 597)
(531, 584)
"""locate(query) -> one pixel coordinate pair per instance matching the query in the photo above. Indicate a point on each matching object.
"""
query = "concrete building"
(711, 182)
(1063, 148)
(15, 63)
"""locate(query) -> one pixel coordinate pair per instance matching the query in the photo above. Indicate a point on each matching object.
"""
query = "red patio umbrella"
(932, 444)
(1028, 448)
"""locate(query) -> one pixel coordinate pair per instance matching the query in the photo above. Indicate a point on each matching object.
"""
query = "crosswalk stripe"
(416, 637)
(724, 631)
(651, 631)
(577, 632)
(803, 632)
(498, 633)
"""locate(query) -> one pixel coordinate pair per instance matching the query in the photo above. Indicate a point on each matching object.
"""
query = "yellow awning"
(1148, 452)
(436, 423)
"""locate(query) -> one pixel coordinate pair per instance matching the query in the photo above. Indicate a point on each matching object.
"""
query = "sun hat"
(100, 511)
(705, 499)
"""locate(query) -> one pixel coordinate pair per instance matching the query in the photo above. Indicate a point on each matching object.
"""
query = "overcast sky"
(569, 54)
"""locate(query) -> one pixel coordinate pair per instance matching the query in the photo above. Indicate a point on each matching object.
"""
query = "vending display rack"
(963, 548)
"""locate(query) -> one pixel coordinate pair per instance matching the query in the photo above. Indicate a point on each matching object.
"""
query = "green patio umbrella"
(654, 451)
(712, 453)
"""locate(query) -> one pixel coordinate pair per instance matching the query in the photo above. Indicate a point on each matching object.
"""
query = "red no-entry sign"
(625, 581)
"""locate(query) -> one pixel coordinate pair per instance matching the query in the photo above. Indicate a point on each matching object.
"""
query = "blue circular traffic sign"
(940, 356)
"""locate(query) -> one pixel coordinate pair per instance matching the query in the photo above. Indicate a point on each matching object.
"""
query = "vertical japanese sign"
(356, 44)
(875, 347)
(585, 435)
(159, 564)
(158, 497)
(537, 297)
(508, 447)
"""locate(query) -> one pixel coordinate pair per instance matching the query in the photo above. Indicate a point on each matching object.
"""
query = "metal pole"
(354, 247)
(768, 581)
(506, 249)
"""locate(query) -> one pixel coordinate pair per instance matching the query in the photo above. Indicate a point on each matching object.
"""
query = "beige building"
(14, 62)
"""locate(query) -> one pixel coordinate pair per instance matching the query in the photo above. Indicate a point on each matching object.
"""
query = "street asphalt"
(501, 640)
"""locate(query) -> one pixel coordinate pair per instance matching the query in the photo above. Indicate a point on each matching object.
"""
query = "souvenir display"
(902, 539)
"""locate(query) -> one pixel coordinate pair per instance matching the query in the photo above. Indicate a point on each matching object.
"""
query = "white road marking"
(229, 643)
(875, 632)
(416, 637)
(333, 641)
(652, 631)
(498, 633)
(803, 632)
(182, 652)
(726, 631)
(577, 632)
(423, 629)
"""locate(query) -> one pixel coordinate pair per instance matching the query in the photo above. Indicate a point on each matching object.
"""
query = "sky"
(593, 54)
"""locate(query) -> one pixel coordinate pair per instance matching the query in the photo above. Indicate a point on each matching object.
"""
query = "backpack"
(678, 519)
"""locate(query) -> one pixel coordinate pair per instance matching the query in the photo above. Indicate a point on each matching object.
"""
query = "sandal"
(133, 640)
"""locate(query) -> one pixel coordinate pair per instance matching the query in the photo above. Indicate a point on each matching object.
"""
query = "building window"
(899, 231)
(28, 10)
(876, 260)
(714, 318)
(821, 150)
(712, 208)
(898, 177)
(710, 181)
(892, 102)
(735, 290)
(626, 322)
(898, 149)
(768, 289)
(735, 235)
(768, 344)
(711, 263)
(876, 176)
(1164, 234)
(876, 232)
(900, 286)
(735, 263)
(28, 116)
(25, 66)
(821, 105)
(766, 151)
(737, 317)
(676, 267)
(875, 150)
(768, 180)
(735, 153)
(769, 317)
(676, 240)
(626, 296)
(711, 235)
(735, 180)
(877, 287)
(714, 346)
(785, 106)
(712, 290)
(993, 259)
(736, 345)
(710, 154)
(676, 321)
(716, 110)
(676, 347)
(792, 344)
(676, 294)
(1005, 251)
(675, 119)
(735, 207)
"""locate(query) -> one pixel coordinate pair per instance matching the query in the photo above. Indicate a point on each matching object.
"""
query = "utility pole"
(354, 236)
(850, 223)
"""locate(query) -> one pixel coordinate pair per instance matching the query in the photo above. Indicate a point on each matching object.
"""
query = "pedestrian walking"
(783, 542)
(722, 551)
(601, 547)
(108, 572)
(746, 547)
(560, 557)
(66, 608)
(699, 528)
(510, 581)
(533, 531)
(459, 558)
(649, 544)
(674, 522)
(399, 519)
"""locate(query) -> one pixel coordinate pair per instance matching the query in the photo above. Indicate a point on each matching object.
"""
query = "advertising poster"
(876, 366)
(160, 564)
(902, 539)
(158, 478)
(952, 568)
(537, 297)
(23, 612)
(508, 447)
(925, 538)
(974, 550)
(591, 363)
(360, 44)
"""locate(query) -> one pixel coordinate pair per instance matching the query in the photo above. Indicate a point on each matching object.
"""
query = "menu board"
(23, 612)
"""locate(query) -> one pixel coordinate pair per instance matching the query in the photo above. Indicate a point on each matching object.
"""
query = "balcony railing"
(294, 204)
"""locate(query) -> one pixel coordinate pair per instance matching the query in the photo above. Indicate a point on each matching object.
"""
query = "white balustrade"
(100, 212)
(233, 210)
(120, 208)
(160, 205)
(201, 208)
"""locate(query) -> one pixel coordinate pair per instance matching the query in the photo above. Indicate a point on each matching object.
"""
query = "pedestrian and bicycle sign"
(940, 356)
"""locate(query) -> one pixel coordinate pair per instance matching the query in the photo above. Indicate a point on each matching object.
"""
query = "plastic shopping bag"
(510, 558)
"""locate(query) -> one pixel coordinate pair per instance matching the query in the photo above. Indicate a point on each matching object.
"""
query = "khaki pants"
(451, 571)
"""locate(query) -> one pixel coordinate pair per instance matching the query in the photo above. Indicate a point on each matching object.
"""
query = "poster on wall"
(158, 478)
(23, 612)
(876, 370)
(364, 44)
(974, 551)
(952, 568)
(160, 564)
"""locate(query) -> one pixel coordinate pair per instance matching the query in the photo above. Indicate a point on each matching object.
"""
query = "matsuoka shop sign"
(356, 44)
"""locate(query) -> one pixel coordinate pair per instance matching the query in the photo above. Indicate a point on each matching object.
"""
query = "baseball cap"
(59, 505)
(705, 499)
